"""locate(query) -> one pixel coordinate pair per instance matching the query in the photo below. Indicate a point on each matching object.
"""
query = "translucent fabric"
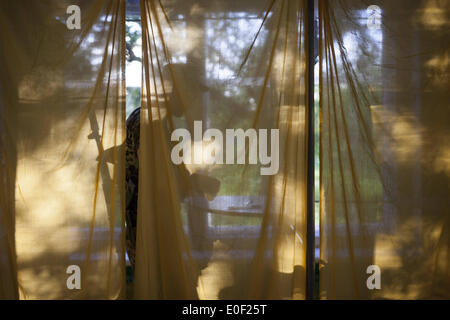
(385, 149)
(222, 223)
(62, 117)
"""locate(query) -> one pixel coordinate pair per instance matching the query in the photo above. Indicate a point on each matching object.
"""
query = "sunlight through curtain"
(385, 149)
(62, 122)
(227, 221)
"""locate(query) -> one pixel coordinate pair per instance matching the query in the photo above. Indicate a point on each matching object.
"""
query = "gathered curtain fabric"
(62, 129)
(223, 149)
(220, 217)
(384, 149)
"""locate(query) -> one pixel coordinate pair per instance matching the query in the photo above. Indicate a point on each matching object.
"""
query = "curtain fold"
(384, 141)
(223, 222)
(62, 127)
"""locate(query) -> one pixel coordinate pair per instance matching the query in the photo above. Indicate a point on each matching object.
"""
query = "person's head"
(184, 86)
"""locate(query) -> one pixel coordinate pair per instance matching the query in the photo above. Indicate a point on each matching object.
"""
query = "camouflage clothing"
(132, 178)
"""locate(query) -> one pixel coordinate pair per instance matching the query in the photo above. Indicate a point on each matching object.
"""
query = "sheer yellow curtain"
(384, 79)
(8, 261)
(62, 118)
(222, 222)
